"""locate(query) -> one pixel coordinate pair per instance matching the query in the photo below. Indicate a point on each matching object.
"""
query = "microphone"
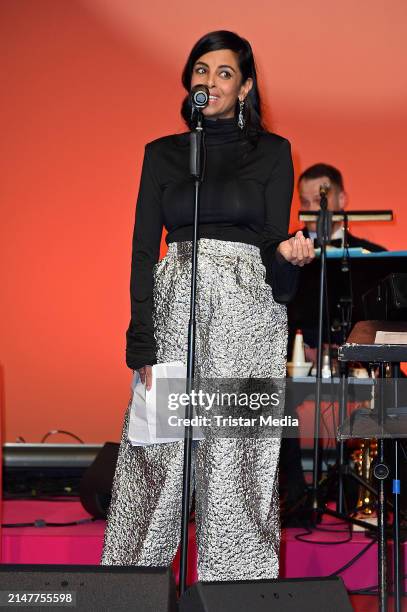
(324, 223)
(199, 96)
(323, 190)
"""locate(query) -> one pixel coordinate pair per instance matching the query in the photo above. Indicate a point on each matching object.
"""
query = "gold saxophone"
(363, 458)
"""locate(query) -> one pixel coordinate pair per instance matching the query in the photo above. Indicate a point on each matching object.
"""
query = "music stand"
(351, 215)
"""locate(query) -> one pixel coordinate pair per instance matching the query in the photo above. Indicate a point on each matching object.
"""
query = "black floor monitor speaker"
(287, 595)
(96, 485)
(88, 588)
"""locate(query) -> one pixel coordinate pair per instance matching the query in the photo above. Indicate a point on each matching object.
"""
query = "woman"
(241, 329)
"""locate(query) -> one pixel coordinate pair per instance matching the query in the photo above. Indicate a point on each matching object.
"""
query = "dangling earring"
(240, 119)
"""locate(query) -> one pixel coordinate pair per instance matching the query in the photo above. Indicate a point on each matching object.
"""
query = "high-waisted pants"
(241, 332)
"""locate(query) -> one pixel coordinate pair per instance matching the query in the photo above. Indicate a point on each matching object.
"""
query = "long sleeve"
(140, 348)
(280, 274)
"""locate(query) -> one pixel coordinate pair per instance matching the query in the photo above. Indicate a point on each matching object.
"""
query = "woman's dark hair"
(223, 39)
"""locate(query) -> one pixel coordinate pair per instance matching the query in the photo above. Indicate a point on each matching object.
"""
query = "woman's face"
(220, 72)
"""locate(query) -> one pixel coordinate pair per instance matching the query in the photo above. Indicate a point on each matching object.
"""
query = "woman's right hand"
(146, 376)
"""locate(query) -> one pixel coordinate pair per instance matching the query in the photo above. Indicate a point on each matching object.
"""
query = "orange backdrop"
(85, 84)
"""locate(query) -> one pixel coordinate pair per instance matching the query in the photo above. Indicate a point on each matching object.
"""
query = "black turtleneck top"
(245, 197)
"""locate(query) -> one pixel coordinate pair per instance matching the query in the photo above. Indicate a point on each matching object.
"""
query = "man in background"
(309, 185)
(292, 481)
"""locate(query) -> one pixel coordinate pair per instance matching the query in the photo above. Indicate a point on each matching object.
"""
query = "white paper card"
(386, 337)
(143, 410)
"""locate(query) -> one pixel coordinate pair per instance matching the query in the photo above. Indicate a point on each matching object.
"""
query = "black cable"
(327, 317)
(403, 449)
(330, 445)
(61, 431)
(323, 412)
(332, 409)
(354, 559)
(300, 538)
(343, 522)
(349, 321)
(326, 530)
(41, 523)
(371, 591)
(328, 338)
(49, 498)
(367, 591)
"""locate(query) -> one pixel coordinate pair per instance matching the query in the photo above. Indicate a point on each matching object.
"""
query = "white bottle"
(298, 350)
(326, 367)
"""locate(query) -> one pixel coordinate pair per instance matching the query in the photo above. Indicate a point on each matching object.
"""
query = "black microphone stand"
(197, 159)
(346, 304)
(324, 227)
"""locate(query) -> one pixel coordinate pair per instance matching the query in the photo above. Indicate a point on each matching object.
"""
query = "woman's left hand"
(297, 250)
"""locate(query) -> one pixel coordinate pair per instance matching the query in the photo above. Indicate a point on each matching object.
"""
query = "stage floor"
(319, 552)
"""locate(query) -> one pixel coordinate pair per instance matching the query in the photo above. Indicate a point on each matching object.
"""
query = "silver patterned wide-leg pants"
(241, 333)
